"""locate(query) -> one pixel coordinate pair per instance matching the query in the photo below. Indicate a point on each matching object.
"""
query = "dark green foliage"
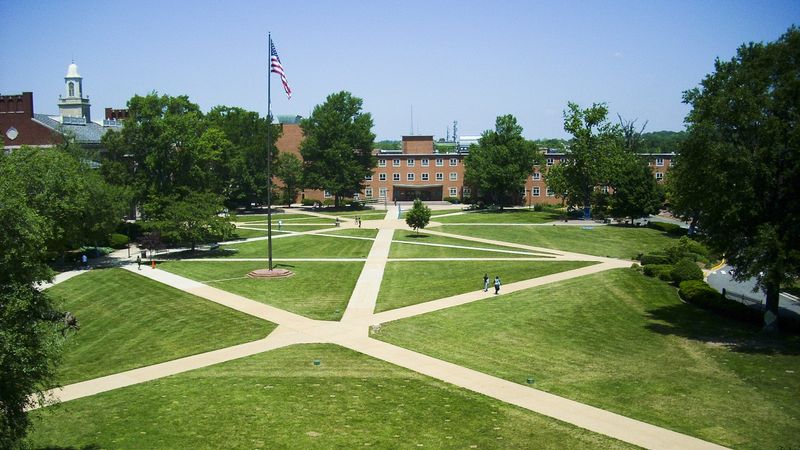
(661, 271)
(453, 200)
(686, 247)
(636, 192)
(501, 162)
(337, 150)
(308, 202)
(685, 269)
(289, 169)
(118, 241)
(669, 228)
(191, 220)
(654, 259)
(699, 293)
(418, 216)
(738, 173)
(662, 141)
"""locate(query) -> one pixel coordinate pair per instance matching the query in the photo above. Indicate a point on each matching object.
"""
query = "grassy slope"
(626, 343)
(612, 241)
(316, 290)
(128, 321)
(400, 250)
(280, 399)
(505, 216)
(409, 283)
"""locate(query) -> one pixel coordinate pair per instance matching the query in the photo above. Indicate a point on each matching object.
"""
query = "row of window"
(424, 162)
(536, 192)
(439, 176)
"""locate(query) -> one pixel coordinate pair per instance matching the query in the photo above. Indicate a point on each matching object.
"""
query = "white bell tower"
(72, 104)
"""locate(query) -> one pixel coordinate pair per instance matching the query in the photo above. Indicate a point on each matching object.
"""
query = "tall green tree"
(191, 219)
(337, 150)
(635, 191)
(289, 169)
(738, 173)
(594, 157)
(501, 162)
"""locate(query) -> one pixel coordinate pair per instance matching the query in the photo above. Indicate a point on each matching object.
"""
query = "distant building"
(20, 125)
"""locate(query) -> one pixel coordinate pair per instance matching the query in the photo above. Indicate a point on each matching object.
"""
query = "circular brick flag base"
(274, 273)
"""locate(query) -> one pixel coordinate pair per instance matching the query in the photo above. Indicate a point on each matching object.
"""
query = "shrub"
(538, 207)
(701, 294)
(308, 202)
(685, 270)
(662, 271)
(327, 202)
(687, 247)
(118, 241)
(654, 259)
(454, 200)
(93, 252)
(669, 228)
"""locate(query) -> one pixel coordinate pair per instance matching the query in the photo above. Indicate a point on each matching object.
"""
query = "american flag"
(276, 67)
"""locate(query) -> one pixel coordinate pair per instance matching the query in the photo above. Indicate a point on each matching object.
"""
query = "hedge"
(701, 294)
(685, 270)
(654, 259)
(669, 228)
(662, 271)
(118, 241)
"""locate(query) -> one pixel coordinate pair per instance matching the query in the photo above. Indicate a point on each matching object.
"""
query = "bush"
(701, 294)
(538, 207)
(118, 241)
(669, 228)
(662, 271)
(91, 253)
(328, 202)
(654, 259)
(454, 200)
(685, 270)
(687, 247)
(308, 202)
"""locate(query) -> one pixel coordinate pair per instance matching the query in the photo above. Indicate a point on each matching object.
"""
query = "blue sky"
(468, 61)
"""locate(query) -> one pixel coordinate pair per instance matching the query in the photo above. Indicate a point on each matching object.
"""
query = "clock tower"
(72, 106)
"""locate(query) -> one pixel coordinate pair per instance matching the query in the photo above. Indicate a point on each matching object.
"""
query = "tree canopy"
(418, 216)
(501, 162)
(337, 150)
(738, 173)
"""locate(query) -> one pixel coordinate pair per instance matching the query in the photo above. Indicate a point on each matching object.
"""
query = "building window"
(368, 192)
(660, 162)
(425, 162)
(368, 177)
(439, 176)
(424, 176)
(453, 176)
(550, 192)
(439, 162)
(381, 177)
(549, 161)
(356, 196)
(327, 194)
(409, 177)
(71, 89)
(381, 163)
(671, 163)
(453, 192)
(604, 189)
(395, 177)
(410, 162)
(453, 162)
(467, 192)
(382, 192)
(659, 176)
(536, 191)
(395, 163)
(536, 176)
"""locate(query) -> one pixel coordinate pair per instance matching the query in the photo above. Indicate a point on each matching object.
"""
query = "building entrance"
(411, 193)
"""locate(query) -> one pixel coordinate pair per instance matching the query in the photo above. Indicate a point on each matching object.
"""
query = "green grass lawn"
(626, 343)
(409, 283)
(366, 214)
(128, 321)
(279, 399)
(316, 290)
(400, 249)
(306, 246)
(505, 216)
(246, 218)
(612, 241)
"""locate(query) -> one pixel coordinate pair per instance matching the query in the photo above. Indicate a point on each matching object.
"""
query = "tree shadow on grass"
(199, 254)
(693, 323)
(416, 236)
(57, 447)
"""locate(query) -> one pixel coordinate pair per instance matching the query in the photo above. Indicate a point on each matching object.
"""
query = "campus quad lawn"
(411, 282)
(366, 214)
(316, 290)
(406, 245)
(504, 216)
(612, 241)
(624, 342)
(128, 321)
(279, 399)
(306, 246)
(246, 218)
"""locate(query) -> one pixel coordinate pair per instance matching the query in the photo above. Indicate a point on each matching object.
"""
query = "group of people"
(496, 283)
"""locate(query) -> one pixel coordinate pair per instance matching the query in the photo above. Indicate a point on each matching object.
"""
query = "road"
(722, 279)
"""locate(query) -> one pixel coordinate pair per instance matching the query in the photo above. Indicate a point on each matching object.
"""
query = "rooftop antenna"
(455, 131)
(447, 139)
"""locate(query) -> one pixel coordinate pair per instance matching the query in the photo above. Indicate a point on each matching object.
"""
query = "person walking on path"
(280, 224)
(485, 282)
(139, 262)
(496, 285)
(83, 261)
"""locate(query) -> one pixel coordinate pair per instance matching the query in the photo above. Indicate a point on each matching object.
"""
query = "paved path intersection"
(353, 332)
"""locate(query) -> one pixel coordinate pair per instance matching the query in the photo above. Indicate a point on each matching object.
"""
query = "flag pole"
(269, 150)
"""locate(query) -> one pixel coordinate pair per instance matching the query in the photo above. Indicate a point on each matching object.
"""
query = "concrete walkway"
(353, 332)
